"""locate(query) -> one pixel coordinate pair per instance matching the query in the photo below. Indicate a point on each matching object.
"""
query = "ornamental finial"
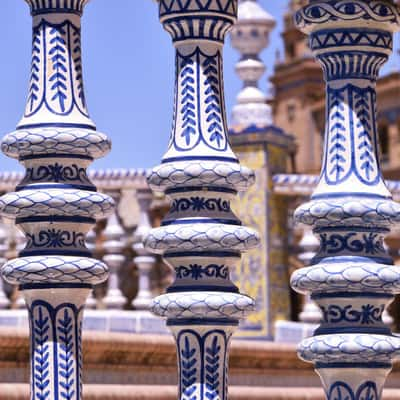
(250, 35)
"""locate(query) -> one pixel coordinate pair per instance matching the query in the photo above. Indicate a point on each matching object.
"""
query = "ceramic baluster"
(200, 237)
(352, 277)
(55, 204)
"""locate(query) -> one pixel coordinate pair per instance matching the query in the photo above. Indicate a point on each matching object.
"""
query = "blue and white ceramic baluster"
(200, 237)
(55, 204)
(352, 277)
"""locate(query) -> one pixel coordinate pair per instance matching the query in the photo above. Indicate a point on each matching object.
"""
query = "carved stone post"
(200, 237)
(143, 261)
(55, 204)
(250, 36)
(114, 245)
(352, 277)
(309, 244)
(4, 301)
(91, 239)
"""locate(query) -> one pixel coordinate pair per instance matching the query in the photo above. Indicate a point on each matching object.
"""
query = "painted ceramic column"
(143, 261)
(352, 277)
(200, 237)
(55, 204)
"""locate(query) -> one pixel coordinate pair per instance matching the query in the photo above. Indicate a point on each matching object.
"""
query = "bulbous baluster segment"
(55, 204)
(200, 237)
(352, 278)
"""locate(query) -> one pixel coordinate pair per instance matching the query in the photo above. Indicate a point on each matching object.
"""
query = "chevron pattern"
(183, 6)
(351, 37)
(46, 6)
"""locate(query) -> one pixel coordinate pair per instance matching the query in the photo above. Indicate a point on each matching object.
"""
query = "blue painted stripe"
(56, 155)
(352, 295)
(56, 11)
(202, 321)
(55, 285)
(202, 221)
(360, 365)
(59, 252)
(186, 189)
(177, 38)
(55, 218)
(56, 125)
(33, 186)
(202, 288)
(208, 253)
(354, 228)
(355, 259)
(200, 158)
(353, 329)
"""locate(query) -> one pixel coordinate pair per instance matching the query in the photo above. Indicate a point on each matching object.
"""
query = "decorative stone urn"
(200, 237)
(352, 277)
(55, 204)
(250, 36)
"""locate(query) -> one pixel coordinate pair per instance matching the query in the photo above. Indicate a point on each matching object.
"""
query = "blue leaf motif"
(365, 148)
(188, 108)
(212, 365)
(336, 145)
(77, 56)
(367, 391)
(65, 354)
(41, 354)
(58, 54)
(213, 101)
(188, 371)
(35, 68)
(341, 391)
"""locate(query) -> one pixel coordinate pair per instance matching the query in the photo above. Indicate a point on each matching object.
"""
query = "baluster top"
(320, 14)
(56, 6)
(197, 19)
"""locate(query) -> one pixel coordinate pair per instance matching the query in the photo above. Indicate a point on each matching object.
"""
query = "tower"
(298, 84)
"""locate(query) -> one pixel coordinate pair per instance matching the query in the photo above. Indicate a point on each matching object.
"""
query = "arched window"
(383, 133)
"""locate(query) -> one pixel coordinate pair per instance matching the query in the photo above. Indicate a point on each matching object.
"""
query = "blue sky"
(129, 74)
